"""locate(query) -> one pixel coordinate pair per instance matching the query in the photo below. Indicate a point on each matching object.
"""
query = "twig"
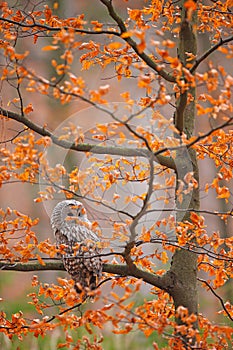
(14, 137)
(217, 296)
(209, 52)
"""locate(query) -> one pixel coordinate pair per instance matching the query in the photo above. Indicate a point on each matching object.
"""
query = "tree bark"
(184, 262)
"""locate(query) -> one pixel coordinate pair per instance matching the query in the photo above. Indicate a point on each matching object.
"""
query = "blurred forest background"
(15, 285)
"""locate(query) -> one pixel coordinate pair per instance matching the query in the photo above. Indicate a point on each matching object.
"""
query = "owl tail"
(85, 281)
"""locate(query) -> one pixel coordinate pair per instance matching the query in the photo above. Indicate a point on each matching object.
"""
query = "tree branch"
(150, 62)
(84, 147)
(162, 282)
(196, 139)
(46, 28)
(209, 52)
(218, 297)
(142, 211)
(32, 266)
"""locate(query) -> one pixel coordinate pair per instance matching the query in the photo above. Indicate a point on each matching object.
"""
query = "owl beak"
(82, 211)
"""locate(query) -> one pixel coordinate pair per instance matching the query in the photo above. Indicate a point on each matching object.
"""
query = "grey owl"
(71, 226)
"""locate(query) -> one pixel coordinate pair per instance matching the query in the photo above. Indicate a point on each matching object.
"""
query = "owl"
(72, 228)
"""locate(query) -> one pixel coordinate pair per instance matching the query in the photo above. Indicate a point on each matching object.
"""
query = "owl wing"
(84, 265)
(63, 239)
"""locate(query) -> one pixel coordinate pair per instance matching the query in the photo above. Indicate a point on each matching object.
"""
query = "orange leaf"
(114, 45)
(146, 236)
(164, 257)
(194, 217)
(126, 34)
(28, 109)
(190, 4)
(50, 48)
(40, 259)
(102, 127)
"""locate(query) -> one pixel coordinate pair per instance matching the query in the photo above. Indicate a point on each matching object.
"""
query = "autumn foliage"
(158, 78)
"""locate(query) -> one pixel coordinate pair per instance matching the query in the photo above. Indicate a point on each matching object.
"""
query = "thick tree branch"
(32, 266)
(151, 63)
(147, 59)
(162, 282)
(121, 151)
(84, 147)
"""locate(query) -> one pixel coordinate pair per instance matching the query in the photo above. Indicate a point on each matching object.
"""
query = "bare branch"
(209, 52)
(13, 137)
(32, 266)
(218, 297)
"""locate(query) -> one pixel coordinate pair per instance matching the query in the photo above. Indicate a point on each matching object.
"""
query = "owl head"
(68, 212)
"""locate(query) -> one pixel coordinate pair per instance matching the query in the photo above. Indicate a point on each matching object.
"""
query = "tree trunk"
(184, 262)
